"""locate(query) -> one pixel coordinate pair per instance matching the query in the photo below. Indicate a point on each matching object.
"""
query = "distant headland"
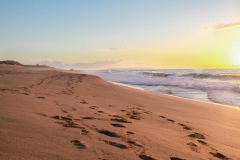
(11, 62)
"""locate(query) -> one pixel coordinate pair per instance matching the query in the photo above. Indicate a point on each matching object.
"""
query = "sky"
(121, 33)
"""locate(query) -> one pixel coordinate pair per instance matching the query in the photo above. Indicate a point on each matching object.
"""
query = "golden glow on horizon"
(235, 52)
(236, 58)
(195, 48)
(182, 40)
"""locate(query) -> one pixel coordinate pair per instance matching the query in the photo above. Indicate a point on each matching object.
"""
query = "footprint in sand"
(176, 158)
(134, 115)
(68, 122)
(220, 156)
(134, 143)
(93, 107)
(79, 144)
(170, 120)
(41, 97)
(119, 119)
(118, 125)
(145, 157)
(101, 112)
(197, 135)
(185, 127)
(84, 132)
(115, 144)
(90, 118)
(202, 142)
(71, 124)
(114, 116)
(108, 133)
(193, 147)
(129, 133)
(61, 118)
(84, 102)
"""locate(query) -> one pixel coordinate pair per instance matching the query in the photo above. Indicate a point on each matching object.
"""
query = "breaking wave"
(217, 85)
(158, 74)
(207, 75)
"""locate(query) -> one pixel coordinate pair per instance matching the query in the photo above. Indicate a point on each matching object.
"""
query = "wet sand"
(54, 114)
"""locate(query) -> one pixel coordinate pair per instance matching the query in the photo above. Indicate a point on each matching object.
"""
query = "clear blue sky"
(87, 31)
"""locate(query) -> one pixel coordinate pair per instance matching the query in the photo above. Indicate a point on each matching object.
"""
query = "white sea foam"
(220, 86)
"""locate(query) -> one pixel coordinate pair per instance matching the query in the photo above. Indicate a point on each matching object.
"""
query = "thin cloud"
(228, 25)
(222, 26)
(102, 64)
(117, 49)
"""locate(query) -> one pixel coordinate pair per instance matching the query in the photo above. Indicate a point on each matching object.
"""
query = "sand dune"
(54, 114)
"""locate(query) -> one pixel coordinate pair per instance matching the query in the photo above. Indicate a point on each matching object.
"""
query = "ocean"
(210, 85)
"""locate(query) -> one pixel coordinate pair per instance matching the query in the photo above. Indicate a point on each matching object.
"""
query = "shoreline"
(127, 85)
(223, 105)
(70, 115)
(217, 87)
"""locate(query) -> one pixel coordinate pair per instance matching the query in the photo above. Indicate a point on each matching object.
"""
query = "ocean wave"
(167, 80)
(236, 89)
(158, 74)
(226, 97)
(182, 82)
(219, 90)
(207, 75)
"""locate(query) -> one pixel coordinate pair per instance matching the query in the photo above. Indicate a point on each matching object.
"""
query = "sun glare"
(236, 56)
(236, 59)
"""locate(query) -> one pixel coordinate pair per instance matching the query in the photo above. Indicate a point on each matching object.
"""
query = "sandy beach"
(47, 113)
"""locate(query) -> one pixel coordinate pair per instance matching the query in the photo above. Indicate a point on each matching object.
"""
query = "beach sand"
(55, 114)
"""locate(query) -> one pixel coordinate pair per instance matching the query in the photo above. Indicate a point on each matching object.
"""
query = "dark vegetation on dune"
(10, 62)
